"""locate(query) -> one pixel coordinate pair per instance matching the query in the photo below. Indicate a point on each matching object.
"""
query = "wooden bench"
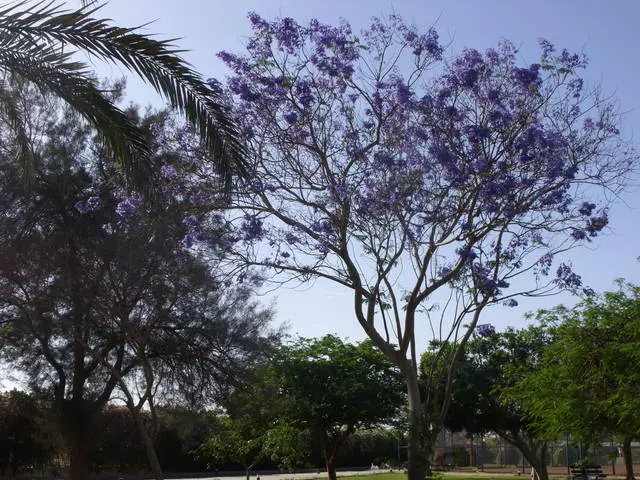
(586, 472)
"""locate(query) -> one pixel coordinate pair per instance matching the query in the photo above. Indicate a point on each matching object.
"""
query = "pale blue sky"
(607, 32)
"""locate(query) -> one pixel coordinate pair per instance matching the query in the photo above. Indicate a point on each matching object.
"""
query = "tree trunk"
(154, 463)
(78, 439)
(418, 448)
(534, 451)
(331, 467)
(628, 459)
(331, 452)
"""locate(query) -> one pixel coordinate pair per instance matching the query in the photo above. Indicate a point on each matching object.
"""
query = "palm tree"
(33, 46)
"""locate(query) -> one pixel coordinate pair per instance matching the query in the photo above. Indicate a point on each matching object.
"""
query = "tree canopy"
(491, 365)
(588, 383)
(332, 388)
(97, 293)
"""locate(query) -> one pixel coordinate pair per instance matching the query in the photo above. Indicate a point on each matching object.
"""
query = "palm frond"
(157, 62)
(54, 71)
(14, 117)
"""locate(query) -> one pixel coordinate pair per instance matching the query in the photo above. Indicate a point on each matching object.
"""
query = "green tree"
(251, 429)
(489, 366)
(332, 388)
(37, 42)
(97, 298)
(589, 382)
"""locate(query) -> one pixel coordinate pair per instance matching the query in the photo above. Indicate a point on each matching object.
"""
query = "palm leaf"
(14, 117)
(157, 62)
(53, 71)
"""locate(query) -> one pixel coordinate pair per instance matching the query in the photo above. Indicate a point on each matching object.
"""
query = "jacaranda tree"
(384, 168)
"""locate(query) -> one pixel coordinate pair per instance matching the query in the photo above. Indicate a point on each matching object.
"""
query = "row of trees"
(309, 399)
(573, 373)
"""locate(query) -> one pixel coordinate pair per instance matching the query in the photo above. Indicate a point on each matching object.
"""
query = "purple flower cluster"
(89, 205)
(168, 171)
(567, 278)
(479, 158)
(129, 206)
(252, 229)
(485, 330)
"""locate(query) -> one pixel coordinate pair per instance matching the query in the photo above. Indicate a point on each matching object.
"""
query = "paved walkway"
(290, 476)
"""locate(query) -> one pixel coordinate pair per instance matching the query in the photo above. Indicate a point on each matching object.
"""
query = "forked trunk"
(154, 463)
(331, 451)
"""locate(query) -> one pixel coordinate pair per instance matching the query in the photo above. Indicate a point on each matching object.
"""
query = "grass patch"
(485, 476)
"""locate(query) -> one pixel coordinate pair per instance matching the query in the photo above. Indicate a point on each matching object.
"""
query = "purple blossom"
(291, 239)
(168, 171)
(586, 208)
(90, 205)
(528, 77)
(252, 229)
(290, 117)
(82, 207)
(94, 203)
(544, 263)
(287, 33)
(191, 221)
(322, 226)
(192, 238)
(546, 48)
(129, 206)
(443, 271)
(485, 330)
(429, 43)
(466, 254)
(566, 278)
(578, 234)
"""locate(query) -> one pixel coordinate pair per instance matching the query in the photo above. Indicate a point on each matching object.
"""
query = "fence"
(489, 452)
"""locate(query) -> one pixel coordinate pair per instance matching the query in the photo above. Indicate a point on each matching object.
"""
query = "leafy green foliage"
(589, 381)
(332, 385)
(332, 388)
(24, 437)
(489, 368)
